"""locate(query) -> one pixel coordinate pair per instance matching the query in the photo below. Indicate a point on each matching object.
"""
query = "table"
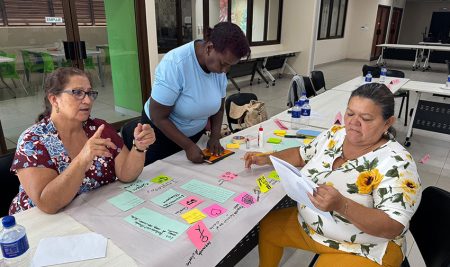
(419, 88)
(268, 54)
(351, 85)
(5, 60)
(420, 53)
(429, 43)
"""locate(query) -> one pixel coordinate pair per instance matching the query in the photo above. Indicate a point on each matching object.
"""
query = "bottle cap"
(260, 128)
(8, 221)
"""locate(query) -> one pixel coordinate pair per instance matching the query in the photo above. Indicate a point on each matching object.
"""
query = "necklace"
(344, 158)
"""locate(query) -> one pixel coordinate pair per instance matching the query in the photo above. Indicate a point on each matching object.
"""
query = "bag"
(249, 114)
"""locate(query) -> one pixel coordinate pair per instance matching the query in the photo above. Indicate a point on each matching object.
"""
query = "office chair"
(127, 132)
(448, 66)
(434, 208)
(239, 99)
(400, 93)
(374, 70)
(318, 80)
(9, 183)
(310, 92)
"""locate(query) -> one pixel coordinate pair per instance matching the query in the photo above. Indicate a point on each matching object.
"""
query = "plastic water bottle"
(383, 75)
(368, 78)
(448, 82)
(302, 99)
(14, 243)
(306, 113)
(295, 116)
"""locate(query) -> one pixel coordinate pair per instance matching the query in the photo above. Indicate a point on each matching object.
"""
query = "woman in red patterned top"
(67, 153)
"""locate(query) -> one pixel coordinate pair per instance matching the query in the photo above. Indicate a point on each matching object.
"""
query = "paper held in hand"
(296, 186)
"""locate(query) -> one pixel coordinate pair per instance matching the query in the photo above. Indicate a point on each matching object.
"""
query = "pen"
(295, 136)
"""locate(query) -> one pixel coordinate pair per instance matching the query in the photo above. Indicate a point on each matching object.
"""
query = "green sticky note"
(273, 175)
(125, 201)
(274, 140)
(216, 193)
(135, 186)
(168, 198)
(157, 224)
(160, 179)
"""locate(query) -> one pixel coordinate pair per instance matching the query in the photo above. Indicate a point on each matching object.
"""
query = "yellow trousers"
(281, 229)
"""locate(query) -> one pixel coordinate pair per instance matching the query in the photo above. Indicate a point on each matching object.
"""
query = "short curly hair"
(228, 36)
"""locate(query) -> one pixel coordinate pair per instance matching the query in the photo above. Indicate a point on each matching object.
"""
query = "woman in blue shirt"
(190, 88)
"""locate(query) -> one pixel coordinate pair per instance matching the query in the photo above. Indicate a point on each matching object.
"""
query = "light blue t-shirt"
(194, 94)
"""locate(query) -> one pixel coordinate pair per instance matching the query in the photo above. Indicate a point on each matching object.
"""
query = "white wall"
(417, 16)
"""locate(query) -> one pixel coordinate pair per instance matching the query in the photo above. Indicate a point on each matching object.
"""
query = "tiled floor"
(17, 114)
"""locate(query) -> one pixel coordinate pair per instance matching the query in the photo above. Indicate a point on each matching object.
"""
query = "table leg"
(426, 64)
(101, 72)
(380, 60)
(416, 64)
(411, 121)
(10, 90)
(262, 77)
(266, 72)
(235, 84)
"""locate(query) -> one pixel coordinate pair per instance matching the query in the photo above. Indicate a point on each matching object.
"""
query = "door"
(380, 30)
(395, 25)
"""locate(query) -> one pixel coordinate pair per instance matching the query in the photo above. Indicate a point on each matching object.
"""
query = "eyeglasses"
(80, 94)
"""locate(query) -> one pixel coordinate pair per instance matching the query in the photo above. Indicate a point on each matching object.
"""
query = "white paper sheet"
(295, 185)
(65, 249)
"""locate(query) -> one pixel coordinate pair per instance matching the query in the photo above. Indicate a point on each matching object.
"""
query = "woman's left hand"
(327, 198)
(214, 146)
(144, 136)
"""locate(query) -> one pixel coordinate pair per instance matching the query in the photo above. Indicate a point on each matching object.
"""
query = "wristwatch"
(139, 150)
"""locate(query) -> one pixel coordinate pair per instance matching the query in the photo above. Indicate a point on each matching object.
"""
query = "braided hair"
(228, 36)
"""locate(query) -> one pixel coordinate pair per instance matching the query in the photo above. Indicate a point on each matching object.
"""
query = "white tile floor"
(17, 114)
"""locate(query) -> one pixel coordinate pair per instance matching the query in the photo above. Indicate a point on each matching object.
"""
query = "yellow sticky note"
(273, 175)
(307, 141)
(263, 184)
(232, 145)
(279, 132)
(193, 216)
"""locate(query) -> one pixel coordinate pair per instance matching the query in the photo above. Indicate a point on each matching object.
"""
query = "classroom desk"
(351, 85)
(418, 57)
(419, 88)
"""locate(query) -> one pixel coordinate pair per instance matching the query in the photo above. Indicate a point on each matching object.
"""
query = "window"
(260, 20)
(33, 12)
(332, 19)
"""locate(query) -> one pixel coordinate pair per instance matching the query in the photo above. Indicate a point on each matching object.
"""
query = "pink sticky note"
(245, 199)
(280, 124)
(338, 118)
(228, 176)
(214, 210)
(191, 201)
(199, 235)
(395, 81)
(425, 159)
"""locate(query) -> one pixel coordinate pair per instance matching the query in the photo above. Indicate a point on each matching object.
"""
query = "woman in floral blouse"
(67, 153)
(367, 181)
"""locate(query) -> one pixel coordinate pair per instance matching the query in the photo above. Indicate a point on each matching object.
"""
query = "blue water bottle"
(14, 243)
(295, 116)
(383, 75)
(306, 112)
(448, 82)
(368, 78)
(302, 99)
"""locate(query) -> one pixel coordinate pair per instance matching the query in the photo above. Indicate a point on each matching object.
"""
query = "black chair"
(239, 99)
(318, 80)
(434, 246)
(404, 94)
(310, 92)
(448, 66)
(127, 131)
(374, 70)
(9, 183)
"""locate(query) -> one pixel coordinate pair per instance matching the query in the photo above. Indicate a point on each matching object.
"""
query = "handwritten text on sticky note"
(167, 198)
(263, 184)
(191, 201)
(160, 179)
(199, 235)
(135, 186)
(214, 210)
(245, 199)
(125, 201)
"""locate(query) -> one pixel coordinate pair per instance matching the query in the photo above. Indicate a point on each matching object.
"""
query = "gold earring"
(57, 109)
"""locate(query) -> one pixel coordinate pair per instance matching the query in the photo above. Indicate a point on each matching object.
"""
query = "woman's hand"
(214, 146)
(194, 153)
(144, 136)
(256, 158)
(96, 146)
(328, 198)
